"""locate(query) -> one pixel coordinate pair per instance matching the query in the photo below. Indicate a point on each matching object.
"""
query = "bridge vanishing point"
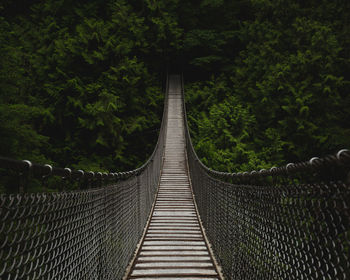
(174, 218)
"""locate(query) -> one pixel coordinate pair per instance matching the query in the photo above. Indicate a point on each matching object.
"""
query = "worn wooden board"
(174, 271)
(175, 278)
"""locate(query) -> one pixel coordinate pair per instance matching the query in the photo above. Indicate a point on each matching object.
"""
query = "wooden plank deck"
(174, 246)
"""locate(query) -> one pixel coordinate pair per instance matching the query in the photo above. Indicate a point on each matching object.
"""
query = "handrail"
(289, 222)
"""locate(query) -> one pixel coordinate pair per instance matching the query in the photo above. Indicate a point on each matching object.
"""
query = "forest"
(266, 82)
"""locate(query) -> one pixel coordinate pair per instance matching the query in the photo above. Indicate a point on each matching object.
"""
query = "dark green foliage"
(283, 95)
(268, 81)
(76, 85)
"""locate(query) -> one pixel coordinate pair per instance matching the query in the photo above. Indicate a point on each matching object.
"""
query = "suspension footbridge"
(175, 218)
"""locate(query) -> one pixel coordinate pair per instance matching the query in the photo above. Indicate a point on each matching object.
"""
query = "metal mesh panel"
(291, 222)
(75, 235)
(87, 234)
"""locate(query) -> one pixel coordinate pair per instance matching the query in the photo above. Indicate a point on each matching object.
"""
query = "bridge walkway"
(174, 246)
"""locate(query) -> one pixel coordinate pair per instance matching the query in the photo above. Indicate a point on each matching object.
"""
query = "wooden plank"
(174, 221)
(175, 278)
(174, 258)
(173, 247)
(172, 234)
(172, 213)
(187, 264)
(175, 253)
(174, 227)
(174, 271)
(177, 231)
(168, 243)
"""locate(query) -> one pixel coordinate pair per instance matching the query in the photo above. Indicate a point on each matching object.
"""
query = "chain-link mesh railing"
(90, 233)
(291, 222)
